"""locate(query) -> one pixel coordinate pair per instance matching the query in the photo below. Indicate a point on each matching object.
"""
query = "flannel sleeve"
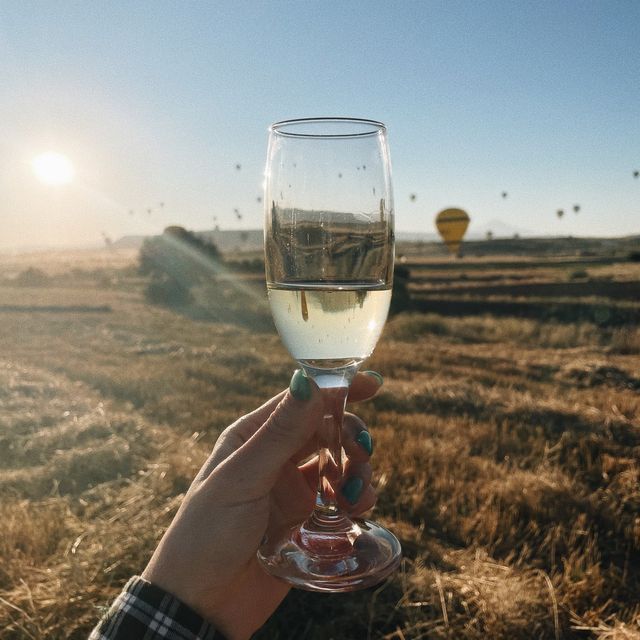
(143, 611)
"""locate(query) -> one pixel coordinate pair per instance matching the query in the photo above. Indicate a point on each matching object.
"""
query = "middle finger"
(355, 439)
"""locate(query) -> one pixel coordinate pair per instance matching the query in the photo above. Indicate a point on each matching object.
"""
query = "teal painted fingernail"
(365, 441)
(352, 489)
(376, 375)
(300, 386)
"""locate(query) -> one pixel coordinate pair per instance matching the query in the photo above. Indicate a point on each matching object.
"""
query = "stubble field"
(507, 441)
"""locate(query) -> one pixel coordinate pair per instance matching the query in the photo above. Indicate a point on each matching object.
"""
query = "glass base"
(332, 553)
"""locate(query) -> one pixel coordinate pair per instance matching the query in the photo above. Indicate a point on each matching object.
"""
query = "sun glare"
(53, 168)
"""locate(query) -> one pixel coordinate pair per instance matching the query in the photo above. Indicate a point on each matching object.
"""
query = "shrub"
(401, 299)
(177, 261)
(634, 256)
(32, 277)
(255, 265)
(168, 292)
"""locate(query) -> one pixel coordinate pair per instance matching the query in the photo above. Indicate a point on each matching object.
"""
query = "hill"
(251, 240)
(531, 247)
(227, 240)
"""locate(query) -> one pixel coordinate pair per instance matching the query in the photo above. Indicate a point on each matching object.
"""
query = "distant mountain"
(226, 240)
(129, 242)
(416, 236)
(238, 240)
(252, 239)
(499, 229)
(235, 239)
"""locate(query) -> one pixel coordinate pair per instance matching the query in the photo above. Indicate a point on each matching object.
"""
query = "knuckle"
(278, 426)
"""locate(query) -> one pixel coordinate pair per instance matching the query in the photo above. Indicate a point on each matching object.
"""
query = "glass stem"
(330, 450)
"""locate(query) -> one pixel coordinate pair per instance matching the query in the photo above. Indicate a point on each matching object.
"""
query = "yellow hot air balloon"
(452, 224)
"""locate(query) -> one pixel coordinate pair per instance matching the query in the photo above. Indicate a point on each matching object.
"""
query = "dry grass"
(506, 459)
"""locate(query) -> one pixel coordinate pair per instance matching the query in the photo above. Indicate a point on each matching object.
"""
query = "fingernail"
(376, 375)
(365, 441)
(352, 489)
(300, 387)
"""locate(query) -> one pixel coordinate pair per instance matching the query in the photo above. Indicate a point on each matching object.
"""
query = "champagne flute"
(329, 246)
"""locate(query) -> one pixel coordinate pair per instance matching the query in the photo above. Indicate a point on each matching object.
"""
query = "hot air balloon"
(576, 208)
(413, 197)
(504, 194)
(559, 213)
(636, 174)
(451, 225)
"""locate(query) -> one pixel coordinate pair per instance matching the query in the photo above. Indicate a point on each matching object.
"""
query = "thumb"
(257, 464)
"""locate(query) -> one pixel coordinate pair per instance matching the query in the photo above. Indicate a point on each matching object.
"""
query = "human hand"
(255, 480)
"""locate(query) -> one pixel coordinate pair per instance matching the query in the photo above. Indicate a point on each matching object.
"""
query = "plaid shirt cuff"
(145, 612)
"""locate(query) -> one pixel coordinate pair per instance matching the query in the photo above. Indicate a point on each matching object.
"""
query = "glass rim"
(303, 128)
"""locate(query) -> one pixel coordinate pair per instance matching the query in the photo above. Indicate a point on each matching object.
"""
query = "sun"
(53, 168)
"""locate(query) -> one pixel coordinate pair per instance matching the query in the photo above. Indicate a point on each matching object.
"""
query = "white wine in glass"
(329, 246)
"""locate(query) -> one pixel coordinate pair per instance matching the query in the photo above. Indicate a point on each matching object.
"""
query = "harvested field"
(507, 443)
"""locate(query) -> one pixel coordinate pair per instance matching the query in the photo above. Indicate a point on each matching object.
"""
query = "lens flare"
(53, 168)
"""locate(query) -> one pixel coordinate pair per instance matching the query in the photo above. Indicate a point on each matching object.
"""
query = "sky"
(158, 102)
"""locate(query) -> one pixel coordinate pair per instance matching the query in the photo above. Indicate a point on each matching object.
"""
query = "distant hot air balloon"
(238, 166)
(636, 174)
(451, 225)
(559, 213)
(413, 197)
(576, 208)
(504, 194)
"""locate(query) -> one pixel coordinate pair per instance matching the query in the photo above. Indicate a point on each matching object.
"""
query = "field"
(507, 441)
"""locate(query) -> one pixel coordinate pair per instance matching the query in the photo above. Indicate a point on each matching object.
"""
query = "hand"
(253, 481)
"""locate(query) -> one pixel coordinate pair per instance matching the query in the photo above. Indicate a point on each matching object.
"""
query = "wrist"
(210, 606)
(146, 609)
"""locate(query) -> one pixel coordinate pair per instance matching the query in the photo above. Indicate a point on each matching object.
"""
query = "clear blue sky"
(158, 101)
